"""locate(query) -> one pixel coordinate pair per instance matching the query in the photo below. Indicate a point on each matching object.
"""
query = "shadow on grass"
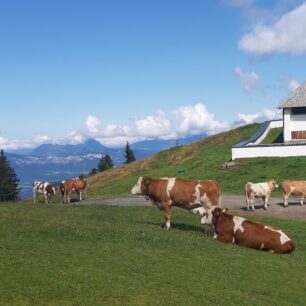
(289, 204)
(257, 207)
(181, 227)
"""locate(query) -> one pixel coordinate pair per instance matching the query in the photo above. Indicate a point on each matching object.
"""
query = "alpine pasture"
(60, 254)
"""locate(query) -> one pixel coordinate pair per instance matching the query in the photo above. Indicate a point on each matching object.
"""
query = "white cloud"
(6, 144)
(183, 121)
(249, 81)
(287, 35)
(266, 114)
(75, 138)
(41, 139)
(195, 120)
(92, 124)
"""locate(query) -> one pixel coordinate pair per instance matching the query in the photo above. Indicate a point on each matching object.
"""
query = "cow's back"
(189, 192)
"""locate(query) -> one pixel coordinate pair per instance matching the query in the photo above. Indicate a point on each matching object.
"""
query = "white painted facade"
(293, 123)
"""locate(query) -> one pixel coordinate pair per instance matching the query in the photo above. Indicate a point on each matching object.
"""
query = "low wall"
(269, 151)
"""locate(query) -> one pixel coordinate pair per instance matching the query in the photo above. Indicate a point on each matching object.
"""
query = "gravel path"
(235, 203)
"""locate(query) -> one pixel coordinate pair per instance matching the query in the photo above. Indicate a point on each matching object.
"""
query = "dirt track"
(235, 203)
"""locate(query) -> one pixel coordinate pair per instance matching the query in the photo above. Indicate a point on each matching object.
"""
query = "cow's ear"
(217, 211)
(224, 210)
(146, 181)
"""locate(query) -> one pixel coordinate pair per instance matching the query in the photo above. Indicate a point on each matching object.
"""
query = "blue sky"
(132, 69)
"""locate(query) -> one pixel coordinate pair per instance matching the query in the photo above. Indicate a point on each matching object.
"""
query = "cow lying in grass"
(233, 229)
(259, 190)
(192, 195)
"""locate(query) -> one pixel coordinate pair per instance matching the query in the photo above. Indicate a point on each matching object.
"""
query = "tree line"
(106, 161)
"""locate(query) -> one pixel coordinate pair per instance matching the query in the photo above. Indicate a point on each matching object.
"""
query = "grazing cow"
(259, 190)
(233, 229)
(193, 195)
(295, 188)
(74, 185)
(44, 188)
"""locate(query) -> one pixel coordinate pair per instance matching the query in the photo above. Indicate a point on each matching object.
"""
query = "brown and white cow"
(193, 195)
(43, 188)
(74, 185)
(295, 188)
(233, 229)
(259, 190)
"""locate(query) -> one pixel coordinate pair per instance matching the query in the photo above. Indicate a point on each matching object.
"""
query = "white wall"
(298, 122)
(287, 124)
(269, 151)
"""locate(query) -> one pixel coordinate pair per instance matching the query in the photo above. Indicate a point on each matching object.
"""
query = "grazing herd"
(203, 197)
(66, 188)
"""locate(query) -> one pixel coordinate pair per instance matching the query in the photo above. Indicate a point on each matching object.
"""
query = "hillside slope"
(201, 160)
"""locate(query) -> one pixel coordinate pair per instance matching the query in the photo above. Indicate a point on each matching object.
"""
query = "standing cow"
(233, 229)
(259, 190)
(43, 188)
(193, 195)
(74, 185)
(296, 188)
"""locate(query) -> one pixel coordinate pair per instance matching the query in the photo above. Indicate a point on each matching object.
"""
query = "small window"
(298, 111)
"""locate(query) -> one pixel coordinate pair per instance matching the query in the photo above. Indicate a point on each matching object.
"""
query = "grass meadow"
(99, 255)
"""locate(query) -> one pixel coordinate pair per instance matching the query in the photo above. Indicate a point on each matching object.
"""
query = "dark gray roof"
(297, 98)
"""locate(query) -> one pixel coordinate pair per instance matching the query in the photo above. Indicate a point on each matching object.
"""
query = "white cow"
(259, 190)
(43, 188)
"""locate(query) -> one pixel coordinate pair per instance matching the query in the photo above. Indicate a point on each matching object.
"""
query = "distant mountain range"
(53, 162)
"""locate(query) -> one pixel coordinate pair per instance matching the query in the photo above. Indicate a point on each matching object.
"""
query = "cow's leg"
(34, 197)
(46, 198)
(252, 202)
(227, 238)
(80, 195)
(286, 198)
(302, 199)
(68, 197)
(167, 216)
(265, 200)
(247, 203)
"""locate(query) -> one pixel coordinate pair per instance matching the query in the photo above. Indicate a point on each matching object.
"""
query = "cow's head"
(273, 184)
(141, 187)
(50, 190)
(212, 213)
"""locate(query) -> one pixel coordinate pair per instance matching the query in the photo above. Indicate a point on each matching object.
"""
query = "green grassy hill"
(201, 160)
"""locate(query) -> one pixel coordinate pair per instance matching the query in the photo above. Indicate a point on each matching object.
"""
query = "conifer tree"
(128, 154)
(105, 163)
(9, 190)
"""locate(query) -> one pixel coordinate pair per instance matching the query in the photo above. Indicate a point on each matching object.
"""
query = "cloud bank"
(286, 35)
(184, 121)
